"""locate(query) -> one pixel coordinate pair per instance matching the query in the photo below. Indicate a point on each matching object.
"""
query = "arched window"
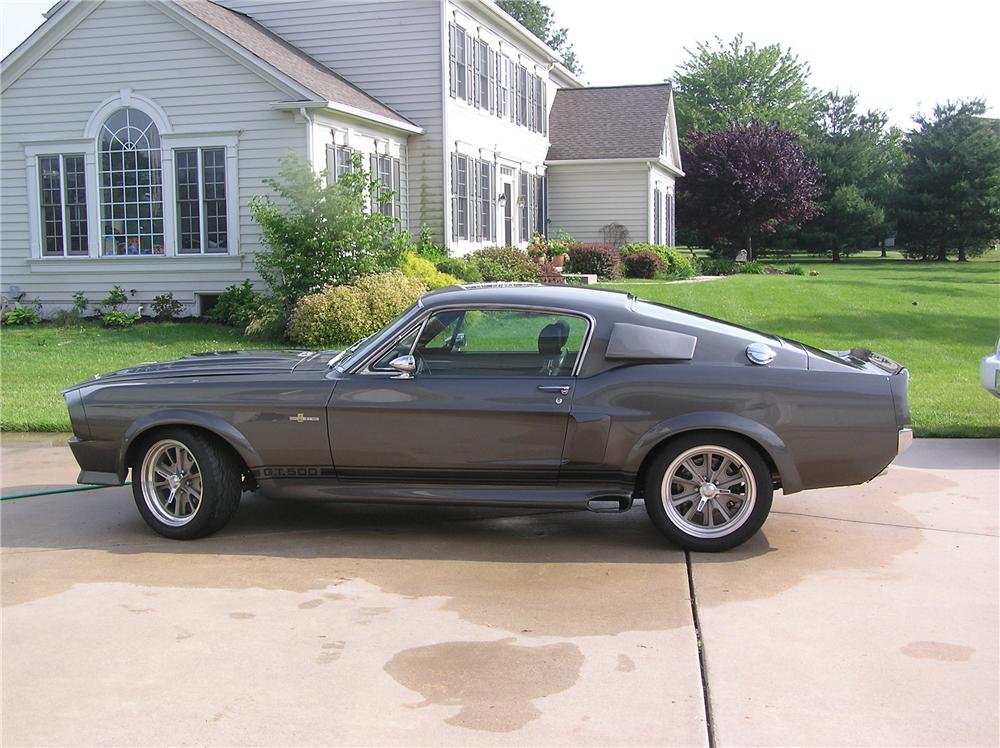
(131, 185)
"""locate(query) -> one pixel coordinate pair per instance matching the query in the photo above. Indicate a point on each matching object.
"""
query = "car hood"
(222, 363)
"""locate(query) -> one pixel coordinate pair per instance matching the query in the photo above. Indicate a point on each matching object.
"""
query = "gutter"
(584, 161)
(350, 111)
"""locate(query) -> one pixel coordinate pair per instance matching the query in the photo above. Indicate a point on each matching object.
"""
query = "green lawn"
(37, 362)
(864, 301)
(869, 302)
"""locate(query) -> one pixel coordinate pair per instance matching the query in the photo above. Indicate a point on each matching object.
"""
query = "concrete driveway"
(866, 615)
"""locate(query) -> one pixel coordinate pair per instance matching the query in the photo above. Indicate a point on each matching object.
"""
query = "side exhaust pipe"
(610, 504)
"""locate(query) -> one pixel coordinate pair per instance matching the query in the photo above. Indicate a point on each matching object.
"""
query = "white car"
(989, 372)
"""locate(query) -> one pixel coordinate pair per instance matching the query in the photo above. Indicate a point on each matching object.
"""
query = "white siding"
(201, 89)
(390, 48)
(585, 197)
(477, 133)
(662, 180)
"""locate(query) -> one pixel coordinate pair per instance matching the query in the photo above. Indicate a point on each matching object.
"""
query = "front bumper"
(904, 440)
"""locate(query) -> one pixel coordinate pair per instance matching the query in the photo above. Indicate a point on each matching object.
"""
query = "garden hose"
(55, 491)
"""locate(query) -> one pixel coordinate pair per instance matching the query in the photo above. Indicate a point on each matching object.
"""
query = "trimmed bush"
(677, 265)
(414, 266)
(237, 305)
(602, 260)
(505, 265)
(643, 264)
(750, 268)
(718, 267)
(460, 268)
(340, 315)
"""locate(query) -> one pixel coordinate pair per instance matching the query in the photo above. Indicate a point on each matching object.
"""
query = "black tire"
(750, 476)
(219, 475)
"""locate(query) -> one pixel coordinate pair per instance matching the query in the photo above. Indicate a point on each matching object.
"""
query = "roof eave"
(659, 161)
(350, 111)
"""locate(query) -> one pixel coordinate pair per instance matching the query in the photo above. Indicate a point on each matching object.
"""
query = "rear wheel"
(185, 485)
(708, 491)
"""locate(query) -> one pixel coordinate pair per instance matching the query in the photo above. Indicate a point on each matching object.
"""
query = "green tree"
(860, 159)
(537, 17)
(320, 232)
(950, 193)
(737, 83)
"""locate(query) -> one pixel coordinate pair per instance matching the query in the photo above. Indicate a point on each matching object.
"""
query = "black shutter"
(397, 198)
(545, 109)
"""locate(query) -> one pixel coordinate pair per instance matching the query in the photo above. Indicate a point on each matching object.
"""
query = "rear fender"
(769, 441)
(218, 426)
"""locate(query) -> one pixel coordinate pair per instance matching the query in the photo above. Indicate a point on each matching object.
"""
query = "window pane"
(76, 204)
(492, 343)
(131, 188)
(50, 202)
(188, 212)
(214, 185)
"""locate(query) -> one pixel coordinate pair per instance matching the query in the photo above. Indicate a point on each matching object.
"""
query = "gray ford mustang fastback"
(502, 395)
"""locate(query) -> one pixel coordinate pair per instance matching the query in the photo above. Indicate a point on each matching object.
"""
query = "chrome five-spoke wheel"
(171, 482)
(186, 483)
(708, 491)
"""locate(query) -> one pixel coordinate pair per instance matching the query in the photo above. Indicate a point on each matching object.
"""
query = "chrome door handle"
(562, 389)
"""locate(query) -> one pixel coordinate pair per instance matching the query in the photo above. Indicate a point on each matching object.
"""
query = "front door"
(489, 402)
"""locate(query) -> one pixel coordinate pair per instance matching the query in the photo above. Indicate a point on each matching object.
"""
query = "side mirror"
(405, 365)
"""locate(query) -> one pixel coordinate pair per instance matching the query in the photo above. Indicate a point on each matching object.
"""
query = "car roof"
(576, 298)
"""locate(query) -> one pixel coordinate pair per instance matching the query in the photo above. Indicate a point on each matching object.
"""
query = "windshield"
(356, 352)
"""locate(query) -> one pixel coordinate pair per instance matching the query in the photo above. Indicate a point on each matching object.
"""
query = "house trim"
(349, 111)
(659, 161)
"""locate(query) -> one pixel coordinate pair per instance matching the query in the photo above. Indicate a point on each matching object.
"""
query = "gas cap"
(760, 354)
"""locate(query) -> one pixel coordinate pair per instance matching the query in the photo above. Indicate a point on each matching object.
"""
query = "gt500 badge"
(302, 418)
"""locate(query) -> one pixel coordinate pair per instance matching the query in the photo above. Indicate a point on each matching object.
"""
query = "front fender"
(791, 482)
(218, 426)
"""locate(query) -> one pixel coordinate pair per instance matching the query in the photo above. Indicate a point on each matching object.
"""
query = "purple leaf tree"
(746, 182)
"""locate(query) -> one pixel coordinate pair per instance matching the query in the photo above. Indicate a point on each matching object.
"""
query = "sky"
(900, 57)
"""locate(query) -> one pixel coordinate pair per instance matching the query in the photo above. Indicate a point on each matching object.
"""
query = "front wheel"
(185, 485)
(708, 492)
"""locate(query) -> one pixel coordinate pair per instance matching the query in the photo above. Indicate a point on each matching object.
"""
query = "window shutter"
(331, 164)
(470, 54)
(544, 109)
(475, 72)
(452, 61)
(454, 201)
(397, 198)
(491, 63)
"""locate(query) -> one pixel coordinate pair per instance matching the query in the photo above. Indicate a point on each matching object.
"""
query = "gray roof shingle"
(291, 61)
(609, 122)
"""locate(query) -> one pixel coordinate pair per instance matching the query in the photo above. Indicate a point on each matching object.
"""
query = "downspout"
(445, 155)
(309, 136)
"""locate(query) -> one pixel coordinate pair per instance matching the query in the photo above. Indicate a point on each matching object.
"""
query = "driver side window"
(500, 342)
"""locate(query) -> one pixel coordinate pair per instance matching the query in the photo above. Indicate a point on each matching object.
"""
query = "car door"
(489, 401)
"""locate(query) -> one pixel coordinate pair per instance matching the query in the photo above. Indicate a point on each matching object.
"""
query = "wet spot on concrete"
(493, 682)
(311, 604)
(937, 651)
(241, 616)
(625, 664)
(331, 652)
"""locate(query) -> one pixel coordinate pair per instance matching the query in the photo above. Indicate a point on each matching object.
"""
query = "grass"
(864, 301)
(867, 301)
(38, 362)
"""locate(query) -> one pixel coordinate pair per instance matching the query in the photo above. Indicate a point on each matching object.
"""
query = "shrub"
(602, 260)
(323, 232)
(750, 268)
(66, 317)
(718, 267)
(344, 314)
(550, 276)
(115, 318)
(21, 315)
(80, 303)
(237, 305)
(424, 270)
(676, 264)
(165, 306)
(460, 268)
(795, 270)
(644, 264)
(115, 298)
(425, 246)
(505, 264)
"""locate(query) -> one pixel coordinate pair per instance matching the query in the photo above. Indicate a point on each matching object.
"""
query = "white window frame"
(62, 148)
(169, 143)
(202, 223)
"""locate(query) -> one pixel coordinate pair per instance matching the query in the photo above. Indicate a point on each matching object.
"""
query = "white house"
(134, 133)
